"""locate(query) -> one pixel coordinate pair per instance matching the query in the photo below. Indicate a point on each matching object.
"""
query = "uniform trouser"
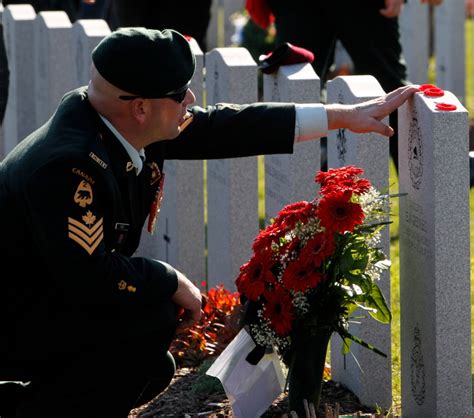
(106, 381)
(372, 41)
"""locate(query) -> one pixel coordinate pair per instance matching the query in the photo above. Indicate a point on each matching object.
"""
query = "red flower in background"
(218, 325)
(337, 213)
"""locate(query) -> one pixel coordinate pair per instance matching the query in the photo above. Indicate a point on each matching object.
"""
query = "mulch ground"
(193, 394)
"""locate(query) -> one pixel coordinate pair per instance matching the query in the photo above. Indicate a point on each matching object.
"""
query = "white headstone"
(54, 56)
(373, 385)
(179, 236)
(450, 19)
(290, 177)
(87, 33)
(415, 36)
(18, 29)
(435, 306)
(232, 184)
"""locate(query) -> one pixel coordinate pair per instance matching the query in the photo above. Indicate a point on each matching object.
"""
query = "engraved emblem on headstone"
(415, 152)
(417, 369)
(341, 146)
(341, 138)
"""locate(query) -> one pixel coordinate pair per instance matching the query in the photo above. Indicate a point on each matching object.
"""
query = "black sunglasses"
(177, 97)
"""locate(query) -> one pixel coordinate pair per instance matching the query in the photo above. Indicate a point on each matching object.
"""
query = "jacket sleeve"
(229, 130)
(72, 218)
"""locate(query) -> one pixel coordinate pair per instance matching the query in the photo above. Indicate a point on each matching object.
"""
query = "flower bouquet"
(311, 269)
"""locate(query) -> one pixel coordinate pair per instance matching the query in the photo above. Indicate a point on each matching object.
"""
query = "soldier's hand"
(367, 116)
(189, 298)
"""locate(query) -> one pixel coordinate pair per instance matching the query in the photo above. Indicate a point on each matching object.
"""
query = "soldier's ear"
(140, 108)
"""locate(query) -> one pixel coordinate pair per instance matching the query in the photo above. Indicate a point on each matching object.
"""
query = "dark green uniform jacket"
(72, 211)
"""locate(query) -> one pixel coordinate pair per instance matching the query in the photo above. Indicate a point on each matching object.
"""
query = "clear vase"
(306, 369)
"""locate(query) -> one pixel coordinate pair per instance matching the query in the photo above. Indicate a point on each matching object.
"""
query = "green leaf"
(360, 263)
(346, 345)
(346, 262)
(377, 300)
(346, 335)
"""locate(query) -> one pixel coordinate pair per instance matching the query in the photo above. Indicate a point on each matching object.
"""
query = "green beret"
(145, 62)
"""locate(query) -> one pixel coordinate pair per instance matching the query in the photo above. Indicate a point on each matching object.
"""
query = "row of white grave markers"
(47, 56)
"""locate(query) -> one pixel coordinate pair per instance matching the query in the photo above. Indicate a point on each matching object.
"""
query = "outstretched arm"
(367, 116)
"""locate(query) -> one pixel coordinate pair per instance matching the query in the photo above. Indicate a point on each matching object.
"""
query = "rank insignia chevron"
(87, 237)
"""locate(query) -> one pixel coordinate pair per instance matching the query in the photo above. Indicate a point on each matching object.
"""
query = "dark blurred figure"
(190, 18)
(368, 30)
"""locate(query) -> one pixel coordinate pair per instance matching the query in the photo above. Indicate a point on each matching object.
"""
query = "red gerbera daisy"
(267, 236)
(254, 276)
(338, 214)
(335, 175)
(291, 214)
(358, 186)
(342, 179)
(279, 310)
(300, 276)
(318, 248)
